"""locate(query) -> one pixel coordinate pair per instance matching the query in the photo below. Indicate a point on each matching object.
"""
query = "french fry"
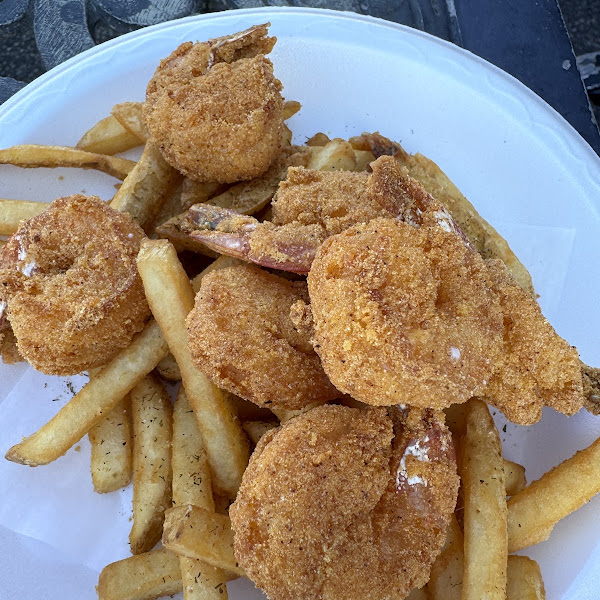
(445, 582)
(524, 579)
(171, 298)
(191, 485)
(319, 139)
(363, 159)
(284, 414)
(33, 156)
(191, 471)
(141, 577)
(419, 594)
(170, 208)
(193, 192)
(129, 115)
(146, 188)
(256, 429)
(110, 440)
(337, 155)
(152, 419)
(485, 506)
(514, 477)
(94, 401)
(168, 369)
(108, 136)
(533, 512)
(12, 212)
(290, 108)
(197, 533)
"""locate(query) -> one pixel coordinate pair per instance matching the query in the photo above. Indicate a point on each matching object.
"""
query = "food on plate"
(404, 315)
(94, 401)
(537, 367)
(445, 582)
(346, 503)
(129, 115)
(140, 577)
(171, 298)
(146, 187)
(108, 136)
(203, 535)
(485, 514)
(110, 442)
(524, 579)
(514, 477)
(152, 423)
(215, 108)
(192, 485)
(70, 285)
(12, 212)
(33, 155)
(534, 511)
(241, 335)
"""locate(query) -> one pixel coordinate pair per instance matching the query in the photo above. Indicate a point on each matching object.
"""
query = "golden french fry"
(110, 440)
(514, 477)
(197, 533)
(191, 485)
(108, 136)
(359, 142)
(193, 192)
(445, 582)
(33, 155)
(284, 414)
(337, 155)
(152, 419)
(363, 159)
(145, 189)
(485, 536)
(290, 108)
(419, 594)
(12, 212)
(168, 369)
(94, 401)
(319, 139)
(533, 512)
(9, 352)
(171, 207)
(129, 115)
(256, 429)
(171, 298)
(191, 471)
(141, 577)
(524, 579)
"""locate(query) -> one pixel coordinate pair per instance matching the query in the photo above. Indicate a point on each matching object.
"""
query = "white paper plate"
(517, 160)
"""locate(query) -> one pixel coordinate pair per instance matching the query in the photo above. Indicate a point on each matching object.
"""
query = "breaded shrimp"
(70, 285)
(344, 504)
(404, 315)
(537, 367)
(242, 337)
(215, 109)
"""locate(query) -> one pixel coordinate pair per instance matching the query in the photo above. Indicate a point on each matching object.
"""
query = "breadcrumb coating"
(73, 293)
(215, 108)
(537, 368)
(344, 504)
(241, 335)
(404, 315)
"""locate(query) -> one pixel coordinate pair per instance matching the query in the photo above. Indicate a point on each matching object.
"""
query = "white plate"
(517, 160)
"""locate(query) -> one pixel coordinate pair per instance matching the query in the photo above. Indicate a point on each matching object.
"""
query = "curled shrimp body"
(346, 503)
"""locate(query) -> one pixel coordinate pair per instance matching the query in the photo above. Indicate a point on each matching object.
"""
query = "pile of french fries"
(187, 458)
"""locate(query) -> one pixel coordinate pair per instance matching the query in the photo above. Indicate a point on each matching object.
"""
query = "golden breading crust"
(404, 315)
(215, 108)
(69, 278)
(346, 504)
(538, 368)
(242, 337)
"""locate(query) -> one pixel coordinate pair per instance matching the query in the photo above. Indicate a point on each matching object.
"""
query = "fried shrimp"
(215, 108)
(241, 336)
(404, 315)
(70, 285)
(343, 503)
(537, 367)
